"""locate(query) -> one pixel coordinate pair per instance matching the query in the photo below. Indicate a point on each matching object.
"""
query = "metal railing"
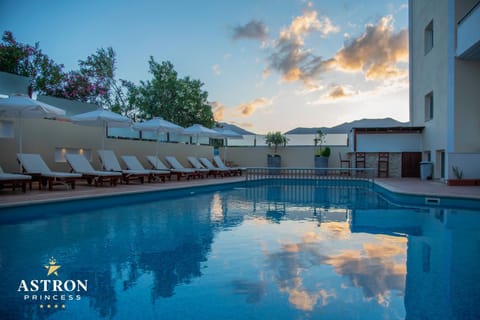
(258, 173)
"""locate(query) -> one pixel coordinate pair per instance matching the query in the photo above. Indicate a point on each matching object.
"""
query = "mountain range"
(341, 128)
(347, 126)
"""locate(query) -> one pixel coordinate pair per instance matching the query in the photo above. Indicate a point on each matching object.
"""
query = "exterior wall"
(71, 107)
(292, 156)
(467, 95)
(467, 163)
(455, 126)
(467, 107)
(395, 142)
(11, 83)
(45, 136)
(49, 137)
(429, 72)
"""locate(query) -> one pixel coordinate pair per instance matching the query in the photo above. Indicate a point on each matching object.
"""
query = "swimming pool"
(269, 250)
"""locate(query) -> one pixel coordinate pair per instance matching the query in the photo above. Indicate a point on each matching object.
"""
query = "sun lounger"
(199, 167)
(178, 168)
(157, 164)
(134, 164)
(220, 164)
(34, 166)
(209, 165)
(13, 180)
(80, 164)
(110, 163)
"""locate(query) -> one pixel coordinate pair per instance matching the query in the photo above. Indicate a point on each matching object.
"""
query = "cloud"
(248, 108)
(376, 52)
(291, 58)
(255, 30)
(337, 92)
(242, 124)
(218, 110)
(216, 69)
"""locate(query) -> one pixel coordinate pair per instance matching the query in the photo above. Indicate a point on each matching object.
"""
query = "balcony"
(468, 35)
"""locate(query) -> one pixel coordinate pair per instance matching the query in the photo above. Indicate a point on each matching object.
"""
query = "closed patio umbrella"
(197, 130)
(21, 106)
(104, 118)
(157, 125)
(228, 134)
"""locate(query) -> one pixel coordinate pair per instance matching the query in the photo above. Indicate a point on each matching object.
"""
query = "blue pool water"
(261, 251)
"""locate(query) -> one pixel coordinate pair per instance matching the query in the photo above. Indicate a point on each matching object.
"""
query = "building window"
(429, 37)
(429, 106)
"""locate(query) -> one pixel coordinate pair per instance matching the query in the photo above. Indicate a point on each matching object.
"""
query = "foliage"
(319, 137)
(180, 100)
(319, 140)
(29, 61)
(276, 139)
(323, 152)
(457, 172)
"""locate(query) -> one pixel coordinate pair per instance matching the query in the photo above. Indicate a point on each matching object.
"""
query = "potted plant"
(275, 139)
(321, 153)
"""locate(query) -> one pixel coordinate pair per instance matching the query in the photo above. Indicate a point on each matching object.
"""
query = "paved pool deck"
(413, 186)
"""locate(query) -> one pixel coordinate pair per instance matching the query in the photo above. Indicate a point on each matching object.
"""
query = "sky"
(267, 65)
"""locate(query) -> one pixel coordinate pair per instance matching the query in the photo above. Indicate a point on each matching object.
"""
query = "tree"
(29, 61)
(276, 139)
(181, 101)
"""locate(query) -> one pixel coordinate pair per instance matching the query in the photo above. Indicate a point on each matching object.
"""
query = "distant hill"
(347, 126)
(235, 128)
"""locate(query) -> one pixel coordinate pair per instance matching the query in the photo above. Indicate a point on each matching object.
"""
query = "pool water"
(267, 251)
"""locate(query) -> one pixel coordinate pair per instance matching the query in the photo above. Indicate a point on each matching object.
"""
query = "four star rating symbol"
(52, 306)
(52, 267)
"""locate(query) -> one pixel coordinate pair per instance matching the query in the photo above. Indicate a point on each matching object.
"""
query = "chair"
(159, 165)
(13, 180)
(342, 162)
(200, 168)
(34, 166)
(360, 160)
(133, 163)
(80, 164)
(383, 164)
(209, 165)
(220, 164)
(110, 163)
(173, 162)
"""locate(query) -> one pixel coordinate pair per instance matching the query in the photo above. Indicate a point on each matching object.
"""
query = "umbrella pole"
(225, 151)
(157, 144)
(104, 134)
(20, 135)
(20, 139)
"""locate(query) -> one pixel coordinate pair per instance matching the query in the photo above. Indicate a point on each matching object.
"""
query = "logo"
(52, 267)
(52, 293)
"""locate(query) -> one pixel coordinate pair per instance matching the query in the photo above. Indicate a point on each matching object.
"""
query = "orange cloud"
(291, 58)
(248, 108)
(376, 52)
(218, 110)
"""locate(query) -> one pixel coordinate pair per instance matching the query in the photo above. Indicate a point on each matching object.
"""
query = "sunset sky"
(267, 65)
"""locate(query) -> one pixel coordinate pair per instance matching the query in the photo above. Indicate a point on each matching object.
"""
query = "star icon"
(52, 267)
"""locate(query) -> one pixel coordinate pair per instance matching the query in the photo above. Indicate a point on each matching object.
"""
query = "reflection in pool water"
(266, 251)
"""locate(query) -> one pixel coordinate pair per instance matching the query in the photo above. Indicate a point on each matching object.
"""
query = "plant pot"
(274, 161)
(462, 182)
(321, 162)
